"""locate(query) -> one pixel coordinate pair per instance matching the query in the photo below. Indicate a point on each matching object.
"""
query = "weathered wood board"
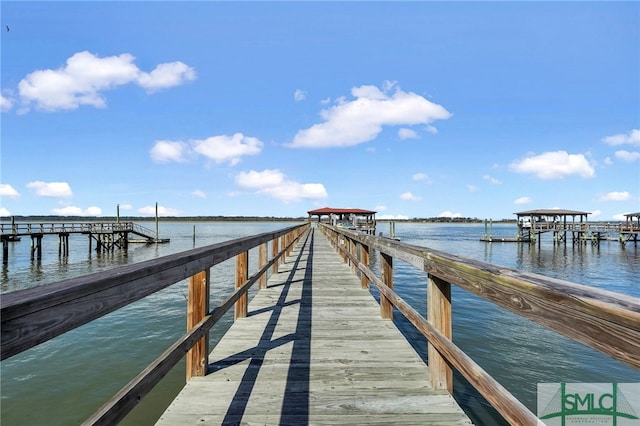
(313, 349)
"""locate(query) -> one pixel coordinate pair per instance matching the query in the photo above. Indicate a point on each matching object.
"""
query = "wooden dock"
(313, 349)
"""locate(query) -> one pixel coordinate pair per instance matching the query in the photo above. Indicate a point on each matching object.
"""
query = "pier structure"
(532, 224)
(350, 218)
(313, 346)
(107, 235)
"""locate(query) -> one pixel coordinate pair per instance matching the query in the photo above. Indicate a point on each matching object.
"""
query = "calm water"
(65, 380)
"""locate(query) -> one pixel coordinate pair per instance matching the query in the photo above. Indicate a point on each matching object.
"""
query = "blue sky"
(412, 109)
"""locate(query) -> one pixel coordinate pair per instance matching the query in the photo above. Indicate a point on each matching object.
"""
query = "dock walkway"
(313, 349)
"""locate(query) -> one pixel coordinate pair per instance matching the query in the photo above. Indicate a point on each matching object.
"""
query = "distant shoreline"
(53, 218)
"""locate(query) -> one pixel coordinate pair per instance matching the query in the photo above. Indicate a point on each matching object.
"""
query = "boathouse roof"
(633, 214)
(552, 212)
(332, 210)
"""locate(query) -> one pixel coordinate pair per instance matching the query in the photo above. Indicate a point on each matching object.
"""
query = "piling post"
(197, 309)
(242, 275)
(262, 261)
(439, 315)
(386, 267)
(5, 251)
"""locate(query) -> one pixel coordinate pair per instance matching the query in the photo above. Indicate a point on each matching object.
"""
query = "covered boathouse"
(533, 223)
(357, 219)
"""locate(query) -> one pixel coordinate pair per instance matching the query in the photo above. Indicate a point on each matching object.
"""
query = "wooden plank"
(313, 349)
(197, 309)
(439, 312)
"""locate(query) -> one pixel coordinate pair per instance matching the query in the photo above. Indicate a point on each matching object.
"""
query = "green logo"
(589, 403)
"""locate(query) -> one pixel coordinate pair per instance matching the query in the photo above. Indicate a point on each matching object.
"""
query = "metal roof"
(330, 210)
(552, 212)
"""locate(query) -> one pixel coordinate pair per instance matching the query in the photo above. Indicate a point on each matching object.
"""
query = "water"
(87, 366)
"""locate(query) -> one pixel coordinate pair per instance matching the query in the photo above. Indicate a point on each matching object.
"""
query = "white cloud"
(166, 75)
(380, 208)
(162, 211)
(77, 211)
(165, 151)
(229, 149)
(299, 95)
(554, 165)
(349, 123)
(392, 217)
(522, 200)
(125, 206)
(85, 76)
(447, 213)
(620, 216)
(596, 213)
(431, 129)
(275, 184)
(472, 188)
(6, 103)
(631, 138)
(8, 191)
(615, 196)
(627, 156)
(421, 177)
(4, 212)
(51, 189)
(405, 133)
(491, 179)
(199, 194)
(410, 197)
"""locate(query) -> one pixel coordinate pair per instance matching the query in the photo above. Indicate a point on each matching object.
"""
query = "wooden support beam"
(197, 309)
(262, 261)
(386, 269)
(242, 275)
(364, 259)
(439, 316)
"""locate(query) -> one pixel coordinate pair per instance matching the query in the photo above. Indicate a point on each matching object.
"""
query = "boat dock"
(314, 346)
(313, 349)
(107, 235)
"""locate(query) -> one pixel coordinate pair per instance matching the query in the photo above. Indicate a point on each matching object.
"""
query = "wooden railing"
(33, 316)
(20, 228)
(603, 320)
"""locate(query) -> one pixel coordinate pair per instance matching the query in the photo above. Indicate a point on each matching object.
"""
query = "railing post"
(439, 316)
(262, 261)
(386, 268)
(242, 275)
(197, 309)
(364, 259)
(274, 252)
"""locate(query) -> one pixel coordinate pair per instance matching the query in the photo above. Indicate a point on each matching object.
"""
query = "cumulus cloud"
(199, 194)
(227, 149)
(631, 138)
(4, 212)
(554, 165)
(405, 133)
(77, 211)
(447, 213)
(380, 208)
(85, 76)
(349, 123)
(275, 184)
(51, 189)
(431, 129)
(125, 206)
(615, 196)
(491, 179)
(6, 103)
(8, 191)
(221, 149)
(410, 197)
(299, 95)
(522, 200)
(627, 156)
(165, 151)
(162, 211)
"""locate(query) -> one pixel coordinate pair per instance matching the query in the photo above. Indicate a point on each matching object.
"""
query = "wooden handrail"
(603, 320)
